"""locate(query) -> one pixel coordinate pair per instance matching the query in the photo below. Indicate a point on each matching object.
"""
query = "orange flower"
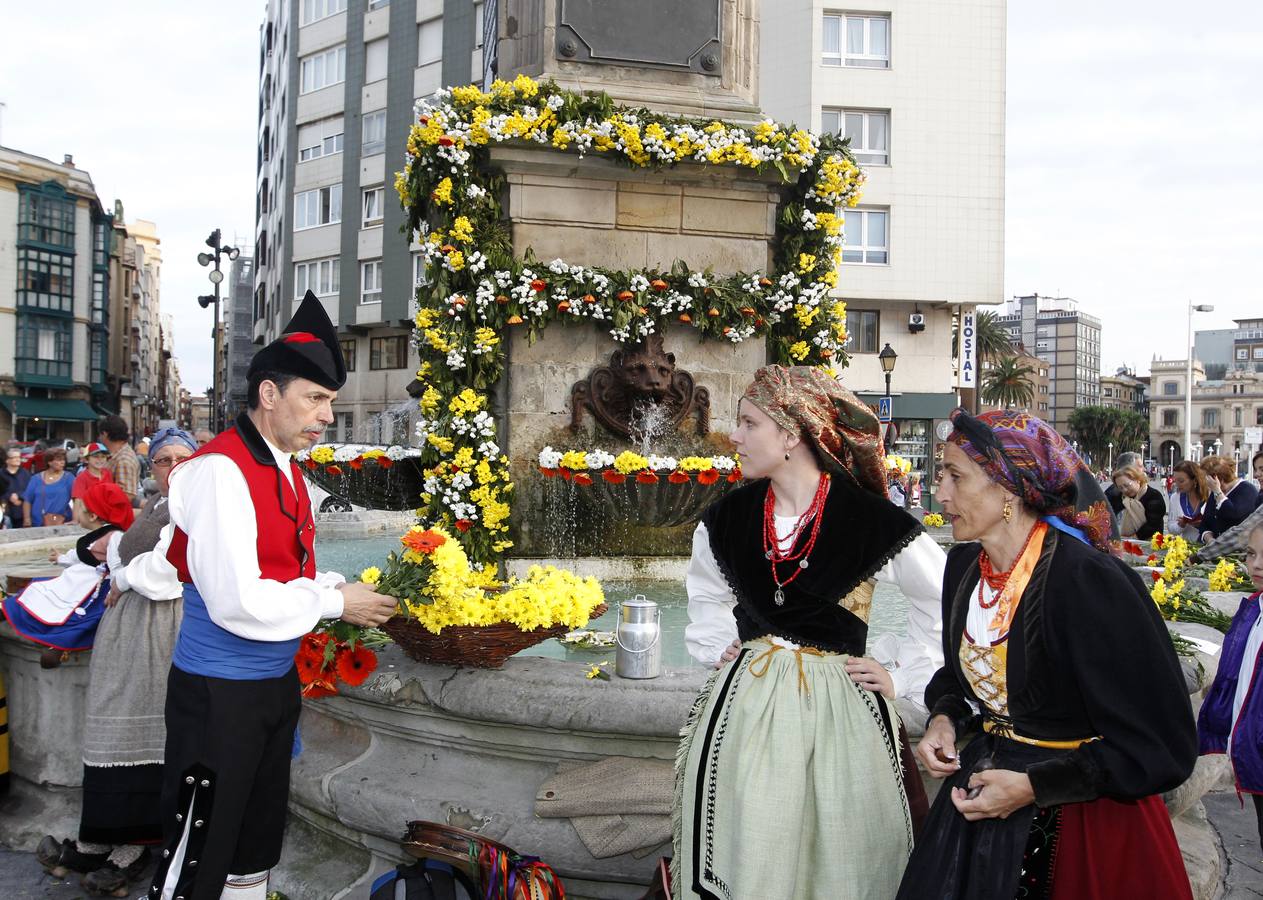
(712, 312)
(514, 320)
(613, 477)
(826, 353)
(321, 688)
(588, 298)
(658, 284)
(582, 478)
(685, 318)
(385, 462)
(642, 310)
(548, 473)
(310, 463)
(710, 476)
(447, 248)
(625, 295)
(644, 476)
(459, 301)
(423, 541)
(747, 310)
(678, 477)
(354, 666)
(334, 470)
(538, 285)
(502, 300)
(445, 141)
(563, 306)
(463, 525)
(310, 663)
(765, 282)
(357, 463)
(734, 476)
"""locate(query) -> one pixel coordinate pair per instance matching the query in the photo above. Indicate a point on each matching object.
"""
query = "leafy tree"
(1096, 427)
(1008, 384)
(991, 339)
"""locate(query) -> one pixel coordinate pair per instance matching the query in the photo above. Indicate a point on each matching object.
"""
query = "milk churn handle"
(656, 637)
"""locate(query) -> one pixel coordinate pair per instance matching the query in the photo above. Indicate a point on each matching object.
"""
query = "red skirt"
(1110, 848)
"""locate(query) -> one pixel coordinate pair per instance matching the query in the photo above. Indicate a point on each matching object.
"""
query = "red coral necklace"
(772, 544)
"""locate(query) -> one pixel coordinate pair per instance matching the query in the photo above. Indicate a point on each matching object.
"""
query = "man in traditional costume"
(790, 782)
(241, 544)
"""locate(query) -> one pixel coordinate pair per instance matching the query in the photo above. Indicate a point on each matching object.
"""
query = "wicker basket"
(478, 646)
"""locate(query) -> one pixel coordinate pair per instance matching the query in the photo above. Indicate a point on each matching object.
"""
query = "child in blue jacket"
(1231, 719)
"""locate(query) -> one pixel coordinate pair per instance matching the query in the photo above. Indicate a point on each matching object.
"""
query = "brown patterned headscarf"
(807, 401)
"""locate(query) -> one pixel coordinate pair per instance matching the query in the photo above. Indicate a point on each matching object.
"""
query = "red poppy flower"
(646, 477)
(334, 470)
(678, 477)
(565, 473)
(613, 477)
(385, 462)
(734, 476)
(538, 285)
(310, 463)
(582, 478)
(321, 688)
(445, 141)
(1133, 548)
(710, 476)
(356, 463)
(354, 666)
(548, 473)
(423, 541)
(1157, 576)
(463, 525)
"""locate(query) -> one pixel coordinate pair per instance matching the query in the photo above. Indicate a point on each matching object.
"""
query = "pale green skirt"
(788, 785)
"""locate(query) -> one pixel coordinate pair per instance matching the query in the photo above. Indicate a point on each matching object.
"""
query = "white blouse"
(211, 503)
(917, 570)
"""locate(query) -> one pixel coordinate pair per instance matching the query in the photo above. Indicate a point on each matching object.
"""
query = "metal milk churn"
(639, 639)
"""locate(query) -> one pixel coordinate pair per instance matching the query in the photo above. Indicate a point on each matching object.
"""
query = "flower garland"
(475, 288)
(582, 467)
(336, 460)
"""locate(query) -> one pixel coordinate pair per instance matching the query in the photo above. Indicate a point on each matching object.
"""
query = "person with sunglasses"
(1060, 668)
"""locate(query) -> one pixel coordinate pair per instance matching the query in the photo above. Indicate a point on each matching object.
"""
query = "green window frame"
(46, 215)
(43, 348)
(46, 280)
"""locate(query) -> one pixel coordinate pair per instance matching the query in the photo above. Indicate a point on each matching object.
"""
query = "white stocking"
(246, 887)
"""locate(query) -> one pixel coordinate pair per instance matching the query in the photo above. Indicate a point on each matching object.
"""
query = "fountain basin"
(661, 504)
(395, 486)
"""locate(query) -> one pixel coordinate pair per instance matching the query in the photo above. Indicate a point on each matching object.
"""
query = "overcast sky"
(1134, 148)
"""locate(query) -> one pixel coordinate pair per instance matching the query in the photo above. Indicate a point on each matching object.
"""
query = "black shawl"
(859, 533)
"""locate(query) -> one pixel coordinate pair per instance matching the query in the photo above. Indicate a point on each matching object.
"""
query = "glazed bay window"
(371, 283)
(856, 40)
(320, 70)
(348, 357)
(372, 206)
(430, 42)
(866, 235)
(46, 280)
(43, 347)
(47, 215)
(862, 330)
(322, 206)
(374, 140)
(388, 352)
(418, 270)
(314, 10)
(323, 138)
(869, 131)
(320, 276)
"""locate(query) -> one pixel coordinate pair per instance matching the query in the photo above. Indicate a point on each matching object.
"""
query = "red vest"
(285, 527)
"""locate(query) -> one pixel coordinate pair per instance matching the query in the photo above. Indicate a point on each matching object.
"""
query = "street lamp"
(1111, 462)
(1188, 374)
(1218, 446)
(887, 359)
(216, 278)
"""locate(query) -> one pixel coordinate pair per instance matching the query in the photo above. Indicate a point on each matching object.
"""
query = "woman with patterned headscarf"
(1060, 667)
(124, 735)
(790, 782)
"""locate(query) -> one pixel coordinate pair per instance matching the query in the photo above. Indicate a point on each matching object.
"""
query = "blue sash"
(205, 648)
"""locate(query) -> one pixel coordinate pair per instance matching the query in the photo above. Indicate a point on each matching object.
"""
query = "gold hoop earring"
(1008, 510)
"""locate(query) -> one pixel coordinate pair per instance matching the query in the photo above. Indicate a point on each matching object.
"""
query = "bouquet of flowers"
(933, 520)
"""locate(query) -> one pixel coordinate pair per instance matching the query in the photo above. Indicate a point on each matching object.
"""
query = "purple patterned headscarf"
(1026, 456)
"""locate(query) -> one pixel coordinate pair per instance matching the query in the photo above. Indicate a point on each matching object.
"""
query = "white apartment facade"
(338, 83)
(919, 85)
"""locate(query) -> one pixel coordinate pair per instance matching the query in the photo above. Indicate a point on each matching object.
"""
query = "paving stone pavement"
(1239, 838)
(22, 878)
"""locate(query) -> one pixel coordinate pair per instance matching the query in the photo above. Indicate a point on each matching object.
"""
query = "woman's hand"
(937, 750)
(729, 654)
(871, 675)
(112, 597)
(1215, 487)
(1003, 792)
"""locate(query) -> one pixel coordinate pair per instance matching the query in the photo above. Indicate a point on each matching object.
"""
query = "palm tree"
(992, 337)
(1008, 383)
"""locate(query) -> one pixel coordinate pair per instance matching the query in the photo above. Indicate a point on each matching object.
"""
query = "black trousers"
(226, 779)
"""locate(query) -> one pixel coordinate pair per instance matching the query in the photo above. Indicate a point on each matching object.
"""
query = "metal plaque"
(682, 35)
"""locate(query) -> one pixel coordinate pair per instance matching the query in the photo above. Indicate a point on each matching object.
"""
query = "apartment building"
(919, 88)
(1123, 390)
(1227, 413)
(1066, 338)
(337, 86)
(54, 298)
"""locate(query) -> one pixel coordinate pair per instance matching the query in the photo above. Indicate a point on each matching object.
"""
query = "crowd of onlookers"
(41, 486)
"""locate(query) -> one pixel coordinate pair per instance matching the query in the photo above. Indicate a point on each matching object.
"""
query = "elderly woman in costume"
(789, 776)
(124, 734)
(1058, 657)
